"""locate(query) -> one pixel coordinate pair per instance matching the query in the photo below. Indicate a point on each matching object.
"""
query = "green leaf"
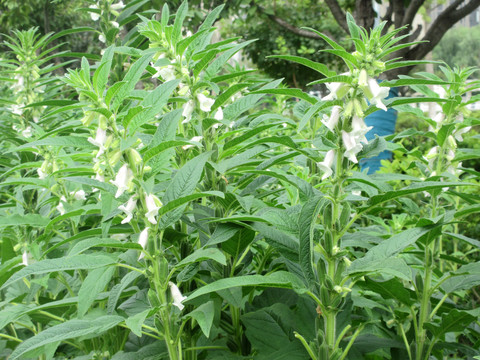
(352, 27)
(29, 219)
(289, 92)
(151, 153)
(284, 243)
(136, 321)
(412, 189)
(153, 102)
(183, 183)
(117, 290)
(227, 94)
(321, 68)
(238, 140)
(77, 262)
(391, 289)
(100, 77)
(216, 65)
(131, 79)
(204, 254)
(453, 321)
(177, 25)
(204, 315)
(75, 141)
(280, 279)
(67, 215)
(464, 278)
(84, 245)
(380, 257)
(306, 224)
(67, 330)
(94, 284)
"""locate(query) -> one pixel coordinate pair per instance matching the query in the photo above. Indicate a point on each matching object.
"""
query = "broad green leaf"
(216, 65)
(386, 250)
(183, 183)
(204, 254)
(84, 245)
(70, 329)
(280, 279)
(238, 140)
(204, 315)
(100, 77)
(306, 225)
(152, 152)
(177, 25)
(29, 219)
(289, 92)
(321, 68)
(453, 321)
(391, 289)
(131, 79)
(227, 94)
(67, 215)
(74, 141)
(117, 290)
(136, 321)
(94, 284)
(77, 262)
(286, 244)
(464, 278)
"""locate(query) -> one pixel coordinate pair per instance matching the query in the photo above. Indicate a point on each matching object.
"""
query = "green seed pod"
(320, 337)
(337, 354)
(162, 268)
(328, 282)
(324, 296)
(327, 216)
(328, 242)
(345, 214)
(341, 266)
(419, 282)
(321, 271)
(153, 298)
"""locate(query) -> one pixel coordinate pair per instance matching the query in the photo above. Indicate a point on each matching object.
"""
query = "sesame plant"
(159, 202)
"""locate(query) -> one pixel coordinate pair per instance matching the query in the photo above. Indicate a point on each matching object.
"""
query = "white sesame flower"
(102, 38)
(196, 139)
(99, 177)
(25, 258)
(167, 73)
(332, 121)
(153, 205)
(122, 180)
(352, 146)
(27, 132)
(41, 173)
(128, 209)
(177, 296)
(115, 24)
(95, 16)
(458, 133)
(187, 111)
(119, 237)
(363, 78)
(117, 6)
(205, 102)
(60, 207)
(218, 114)
(142, 241)
(17, 109)
(100, 139)
(376, 93)
(78, 195)
(326, 164)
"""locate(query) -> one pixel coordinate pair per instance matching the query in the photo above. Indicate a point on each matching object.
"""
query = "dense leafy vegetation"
(161, 203)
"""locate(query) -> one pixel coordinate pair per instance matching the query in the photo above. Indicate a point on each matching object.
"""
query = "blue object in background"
(383, 123)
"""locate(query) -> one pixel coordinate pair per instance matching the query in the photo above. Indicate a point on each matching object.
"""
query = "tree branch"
(292, 28)
(434, 34)
(338, 14)
(412, 11)
(440, 26)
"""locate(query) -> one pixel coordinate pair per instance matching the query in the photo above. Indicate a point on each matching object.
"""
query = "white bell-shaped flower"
(458, 133)
(142, 241)
(60, 207)
(326, 164)
(376, 93)
(122, 180)
(177, 296)
(205, 102)
(117, 6)
(153, 205)
(188, 111)
(332, 121)
(352, 146)
(78, 195)
(167, 73)
(128, 209)
(218, 114)
(27, 132)
(196, 139)
(95, 16)
(25, 258)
